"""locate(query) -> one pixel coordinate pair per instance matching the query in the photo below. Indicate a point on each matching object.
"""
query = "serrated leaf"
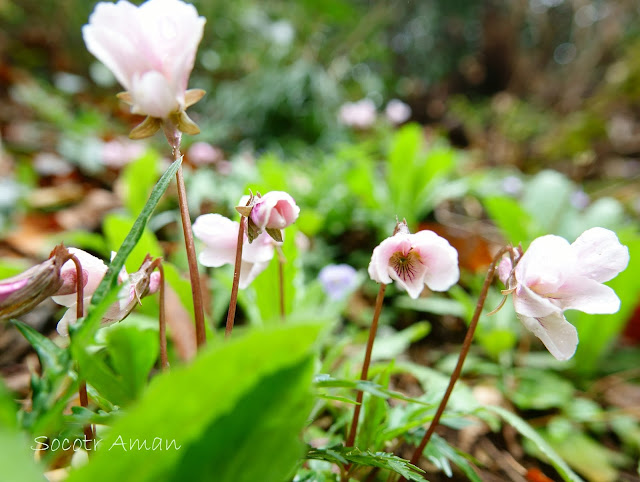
(348, 455)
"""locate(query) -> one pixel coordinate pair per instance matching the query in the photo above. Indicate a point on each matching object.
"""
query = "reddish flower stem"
(466, 344)
(231, 315)
(174, 137)
(365, 366)
(82, 388)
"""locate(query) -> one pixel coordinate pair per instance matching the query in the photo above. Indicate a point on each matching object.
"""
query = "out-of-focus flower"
(151, 50)
(25, 291)
(202, 153)
(579, 199)
(220, 236)
(360, 115)
(512, 185)
(397, 112)
(338, 280)
(47, 164)
(119, 152)
(136, 286)
(553, 276)
(413, 260)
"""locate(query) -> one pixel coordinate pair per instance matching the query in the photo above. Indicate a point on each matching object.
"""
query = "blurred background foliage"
(525, 120)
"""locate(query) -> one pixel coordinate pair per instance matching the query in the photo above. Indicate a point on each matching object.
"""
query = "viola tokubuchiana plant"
(550, 277)
(151, 50)
(412, 261)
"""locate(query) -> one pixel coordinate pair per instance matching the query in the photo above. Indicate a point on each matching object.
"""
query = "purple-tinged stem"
(365, 366)
(82, 388)
(466, 345)
(231, 315)
(173, 137)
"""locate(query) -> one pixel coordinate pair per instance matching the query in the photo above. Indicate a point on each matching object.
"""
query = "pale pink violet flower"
(413, 260)
(553, 276)
(202, 153)
(137, 285)
(220, 236)
(397, 112)
(151, 51)
(119, 152)
(360, 115)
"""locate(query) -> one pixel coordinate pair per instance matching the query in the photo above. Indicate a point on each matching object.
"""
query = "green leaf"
(267, 284)
(391, 346)
(133, 351)
(514, 222)
(16, 457)
(54, 360)
(342, 456)
(527, 431)
(375, 413)
(220, 418)
(139, 177)
(540, 390)
(111, 276)
(116, 227)
(327, 381)
(440, 449)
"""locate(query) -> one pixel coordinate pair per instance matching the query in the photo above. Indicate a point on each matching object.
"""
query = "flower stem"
(365, 366)
(466, 344)
(173, 137)
(162, 321)
(231, 315)
(82, 388)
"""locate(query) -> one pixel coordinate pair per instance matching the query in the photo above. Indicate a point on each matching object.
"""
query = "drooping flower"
(338, 280)
(360, 115)
(397, 112)
(21, 293)
(151, 51)
(553, 276)
(272, 213)
(274, 210)
(220, 236)
(135, 286)
(413, 260)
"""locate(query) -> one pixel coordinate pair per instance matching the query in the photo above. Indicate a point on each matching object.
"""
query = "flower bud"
(25, 291)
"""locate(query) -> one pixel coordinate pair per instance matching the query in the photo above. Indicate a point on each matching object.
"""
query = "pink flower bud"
(274, 210)
(150, 49)
(553, 276)
(413, 260)
(25, 291)
(220, 236)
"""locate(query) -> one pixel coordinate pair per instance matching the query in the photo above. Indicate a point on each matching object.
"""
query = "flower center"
(405, 265)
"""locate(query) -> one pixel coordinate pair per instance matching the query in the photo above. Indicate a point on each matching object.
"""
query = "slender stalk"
(281, 262)
(231, 315)
(365, 366)
(173, 137)
(162, 320)
(82, 388)
(466, 344)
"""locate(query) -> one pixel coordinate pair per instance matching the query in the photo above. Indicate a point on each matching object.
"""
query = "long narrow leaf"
(134, 235)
